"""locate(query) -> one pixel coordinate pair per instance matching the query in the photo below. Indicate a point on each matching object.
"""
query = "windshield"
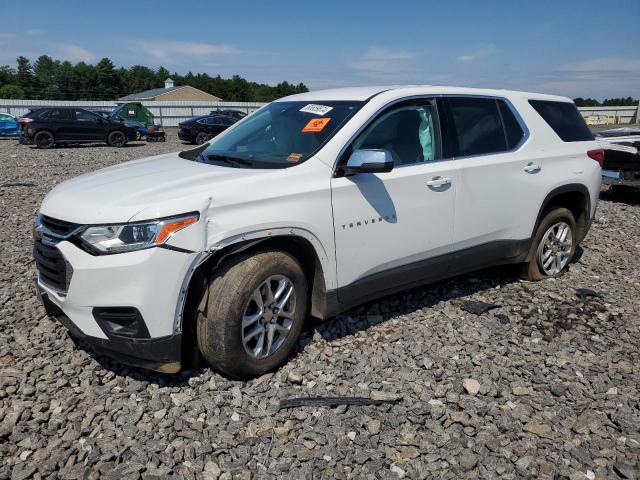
(280, 135)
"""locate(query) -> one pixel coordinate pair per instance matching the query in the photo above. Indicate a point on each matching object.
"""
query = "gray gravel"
(544, 386)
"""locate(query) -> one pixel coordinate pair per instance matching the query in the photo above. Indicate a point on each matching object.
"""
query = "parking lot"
(494, 377)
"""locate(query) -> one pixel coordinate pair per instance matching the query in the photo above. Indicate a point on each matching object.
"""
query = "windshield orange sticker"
(294, 157)
(316, 125)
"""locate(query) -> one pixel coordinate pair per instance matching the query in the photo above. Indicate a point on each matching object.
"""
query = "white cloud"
(35, 31)
(595, 77)
(5, 38)
(481, 52)
(173, 51)
(74, 53)
(606, 64)
(383, 61)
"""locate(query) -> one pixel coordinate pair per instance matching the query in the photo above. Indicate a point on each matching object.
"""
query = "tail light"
(597, 155)
(25, 120)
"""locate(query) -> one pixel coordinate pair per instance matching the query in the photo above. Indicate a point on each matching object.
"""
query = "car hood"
(158, 186)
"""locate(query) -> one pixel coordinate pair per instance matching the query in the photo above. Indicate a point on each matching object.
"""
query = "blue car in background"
(9, 127)
(140, 127)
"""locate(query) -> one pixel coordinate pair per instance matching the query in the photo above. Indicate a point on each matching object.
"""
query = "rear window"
(565, 119)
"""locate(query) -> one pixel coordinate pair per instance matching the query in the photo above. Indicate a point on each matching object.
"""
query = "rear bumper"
(621, 177)
(161, 354)
(185, 137)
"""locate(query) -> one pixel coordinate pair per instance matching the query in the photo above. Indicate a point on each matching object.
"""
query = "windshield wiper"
(228, 159)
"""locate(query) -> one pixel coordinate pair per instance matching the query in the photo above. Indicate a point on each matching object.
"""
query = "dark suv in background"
(46, 127)
(202, 129)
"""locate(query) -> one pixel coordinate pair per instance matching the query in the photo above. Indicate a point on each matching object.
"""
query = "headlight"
(134, 236)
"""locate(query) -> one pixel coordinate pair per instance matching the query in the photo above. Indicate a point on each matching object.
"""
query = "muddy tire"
(256, 307)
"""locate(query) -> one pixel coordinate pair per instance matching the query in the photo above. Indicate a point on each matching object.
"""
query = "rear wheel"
(255, 311)
(117, 139)
(202, 137)
(44, 139)
(553, 246)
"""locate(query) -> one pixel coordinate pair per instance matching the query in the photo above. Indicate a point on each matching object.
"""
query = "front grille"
(59, 228)
(53, 269)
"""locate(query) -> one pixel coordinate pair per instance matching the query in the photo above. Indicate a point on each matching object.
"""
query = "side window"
(59, 114)
(477, 126)
(409, 132)
(44, 114)
(84, 116)
(227, 121)
(512, 129)
(565, 119)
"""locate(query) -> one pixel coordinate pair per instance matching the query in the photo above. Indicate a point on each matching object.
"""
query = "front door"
(89, 126)
(387, 224)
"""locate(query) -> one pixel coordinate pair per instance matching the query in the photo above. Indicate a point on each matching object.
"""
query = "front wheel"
(117, 139)
(553, 246)
(255, 311)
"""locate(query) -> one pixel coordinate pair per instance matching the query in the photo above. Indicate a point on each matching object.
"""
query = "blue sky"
(575, 48)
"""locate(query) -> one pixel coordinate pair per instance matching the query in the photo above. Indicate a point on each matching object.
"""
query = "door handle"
(439, 181)
(532, 168)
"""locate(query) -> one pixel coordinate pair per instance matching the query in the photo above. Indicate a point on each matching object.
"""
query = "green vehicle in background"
(134, 111)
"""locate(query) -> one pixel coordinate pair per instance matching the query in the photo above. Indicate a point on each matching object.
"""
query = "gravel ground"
(544, 385)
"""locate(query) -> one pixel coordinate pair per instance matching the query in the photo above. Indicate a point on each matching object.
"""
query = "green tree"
(109, 80)
(24, 76)
(7, 75)
(11, 91)
(45, 71)
(54, 79)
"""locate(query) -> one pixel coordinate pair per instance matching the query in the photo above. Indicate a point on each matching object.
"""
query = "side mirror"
(369, 161)
(99, 120)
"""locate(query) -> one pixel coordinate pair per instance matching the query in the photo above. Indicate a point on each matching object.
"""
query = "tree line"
(50, 79)
(607, 102)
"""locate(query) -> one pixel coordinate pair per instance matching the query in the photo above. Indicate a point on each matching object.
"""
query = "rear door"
(386, 225)
(499, 181)
(61, 122)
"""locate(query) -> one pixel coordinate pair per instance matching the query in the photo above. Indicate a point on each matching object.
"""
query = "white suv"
(311, 205)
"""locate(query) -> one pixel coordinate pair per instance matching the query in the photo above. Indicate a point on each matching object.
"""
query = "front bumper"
(150, 281)
(160, 354)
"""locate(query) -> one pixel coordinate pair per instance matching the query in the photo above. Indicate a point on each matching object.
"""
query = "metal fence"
(168, 114)
(610, 115)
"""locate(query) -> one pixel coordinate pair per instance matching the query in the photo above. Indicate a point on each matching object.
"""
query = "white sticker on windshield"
(316, 109)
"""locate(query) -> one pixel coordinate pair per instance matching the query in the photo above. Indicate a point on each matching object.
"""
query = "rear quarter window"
(565, 119)
(512, 129)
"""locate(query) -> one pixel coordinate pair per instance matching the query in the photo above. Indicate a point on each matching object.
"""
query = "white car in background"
(315, 203)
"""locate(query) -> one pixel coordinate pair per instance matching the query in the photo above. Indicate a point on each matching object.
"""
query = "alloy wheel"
(268, 316)
(117, 139)
(555, 248)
